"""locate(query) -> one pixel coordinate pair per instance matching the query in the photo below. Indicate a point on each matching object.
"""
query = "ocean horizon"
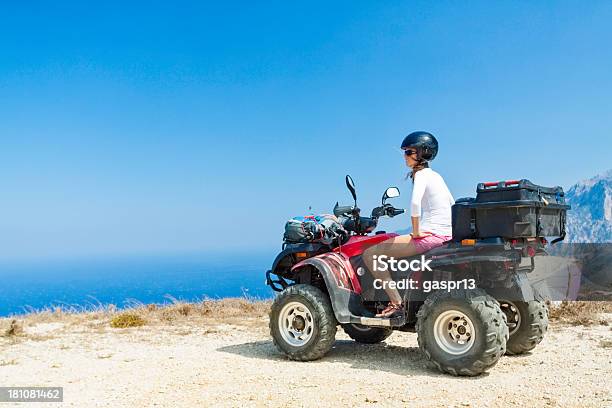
(87, 283)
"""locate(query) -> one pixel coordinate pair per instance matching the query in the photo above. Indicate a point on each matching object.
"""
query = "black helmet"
(426, 144)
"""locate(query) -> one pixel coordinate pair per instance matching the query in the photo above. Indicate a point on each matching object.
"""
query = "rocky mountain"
(590, 219)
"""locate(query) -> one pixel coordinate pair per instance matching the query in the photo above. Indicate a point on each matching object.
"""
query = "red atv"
(465, 330)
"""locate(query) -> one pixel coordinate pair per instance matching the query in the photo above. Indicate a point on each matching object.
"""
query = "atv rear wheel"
(527, 323)
(366, 334)
(302, 323)
(462, 332)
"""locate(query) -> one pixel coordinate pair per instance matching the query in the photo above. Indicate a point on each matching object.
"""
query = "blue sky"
(187, 127)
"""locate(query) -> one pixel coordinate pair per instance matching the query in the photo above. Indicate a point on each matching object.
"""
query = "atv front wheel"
(462, 332)
(366, 334)
(527, 323)
(302, 323)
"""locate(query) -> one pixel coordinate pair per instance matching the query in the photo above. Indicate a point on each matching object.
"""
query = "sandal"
(391, 310)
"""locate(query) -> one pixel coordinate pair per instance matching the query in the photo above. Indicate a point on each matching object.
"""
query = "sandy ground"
(228, 365)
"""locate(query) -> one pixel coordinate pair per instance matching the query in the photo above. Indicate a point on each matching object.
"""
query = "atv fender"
(520, 290)
(341, 287)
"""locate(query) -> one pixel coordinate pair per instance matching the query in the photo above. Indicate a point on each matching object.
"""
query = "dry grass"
(11, 328)
(127, 319)
(209, 312)
(581, 313)
(231, 311)
(238, 311)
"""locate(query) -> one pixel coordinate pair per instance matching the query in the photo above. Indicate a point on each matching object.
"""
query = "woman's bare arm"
(416, 230)
(415, 226)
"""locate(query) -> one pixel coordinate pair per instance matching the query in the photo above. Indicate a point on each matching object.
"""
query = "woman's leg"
(397, 247)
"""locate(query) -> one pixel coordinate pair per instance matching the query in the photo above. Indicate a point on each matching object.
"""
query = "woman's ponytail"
(420, 165)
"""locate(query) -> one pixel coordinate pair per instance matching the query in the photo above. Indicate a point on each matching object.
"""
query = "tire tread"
(496, 336)
(524, 341)
(326, 322)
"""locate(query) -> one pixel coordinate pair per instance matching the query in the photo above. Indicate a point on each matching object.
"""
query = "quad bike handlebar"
(386, 210)
(351, 219)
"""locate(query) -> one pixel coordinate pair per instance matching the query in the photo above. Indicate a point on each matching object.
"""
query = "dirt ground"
(184, 365)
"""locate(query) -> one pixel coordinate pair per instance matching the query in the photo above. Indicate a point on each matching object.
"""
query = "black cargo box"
(518, 190)
(517, 209)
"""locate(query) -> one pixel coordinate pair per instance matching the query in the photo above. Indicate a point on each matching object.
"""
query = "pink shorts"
(429, 242)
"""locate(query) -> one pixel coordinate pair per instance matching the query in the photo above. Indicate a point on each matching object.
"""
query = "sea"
(88, 283)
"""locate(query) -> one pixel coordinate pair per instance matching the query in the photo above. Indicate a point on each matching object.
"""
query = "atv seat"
(442, 249)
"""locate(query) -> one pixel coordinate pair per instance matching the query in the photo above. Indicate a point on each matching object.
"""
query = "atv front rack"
(277, 285)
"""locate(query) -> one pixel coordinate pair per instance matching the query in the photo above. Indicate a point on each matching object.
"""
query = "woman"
(430, 211)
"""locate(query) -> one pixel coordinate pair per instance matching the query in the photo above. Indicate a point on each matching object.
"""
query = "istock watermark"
(384, 263)
(427, 285)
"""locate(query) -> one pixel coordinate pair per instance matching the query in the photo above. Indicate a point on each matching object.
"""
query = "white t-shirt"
(432, 201)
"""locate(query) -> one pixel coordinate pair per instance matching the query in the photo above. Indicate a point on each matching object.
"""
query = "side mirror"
(391, 192)
(350, 184)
